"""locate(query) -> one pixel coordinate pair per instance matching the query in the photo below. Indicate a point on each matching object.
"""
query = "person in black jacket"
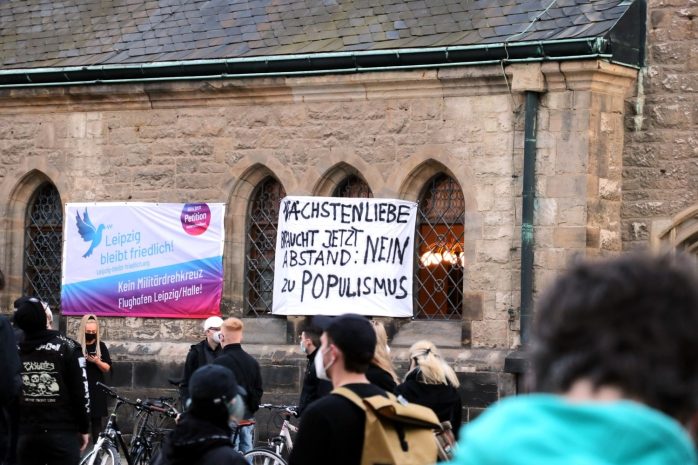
(202, 435)
(432, 383)
(202, 353)
(332, 429)
(98, 364)
(381, 371)
(10, 384)
(54, 403)
(248, 374)
(313, 387)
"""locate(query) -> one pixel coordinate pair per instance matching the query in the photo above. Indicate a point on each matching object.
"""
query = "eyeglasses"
(213, 329)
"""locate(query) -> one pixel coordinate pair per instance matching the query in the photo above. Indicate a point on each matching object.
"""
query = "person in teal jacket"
(614, 364)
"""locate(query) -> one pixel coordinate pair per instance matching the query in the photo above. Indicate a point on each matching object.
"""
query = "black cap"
(211, 383)
(353, 334)
(30, 316)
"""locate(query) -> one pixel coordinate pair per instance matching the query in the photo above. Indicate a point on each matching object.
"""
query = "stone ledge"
(447, 333)
(463, 360)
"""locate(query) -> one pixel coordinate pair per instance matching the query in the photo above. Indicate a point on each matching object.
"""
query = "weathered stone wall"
(214, 141)
(660, 161)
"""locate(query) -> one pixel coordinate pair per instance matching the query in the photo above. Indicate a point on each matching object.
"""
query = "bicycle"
(278, 447)
(154, 420)
(111, 443)
(178, 383)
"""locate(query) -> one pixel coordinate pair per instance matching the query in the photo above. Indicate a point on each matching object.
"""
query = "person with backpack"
(334, 428)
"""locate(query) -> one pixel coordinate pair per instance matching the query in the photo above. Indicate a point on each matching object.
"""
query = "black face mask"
(90, 338)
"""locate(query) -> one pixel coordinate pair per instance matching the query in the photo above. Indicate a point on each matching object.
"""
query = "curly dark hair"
(629, 322)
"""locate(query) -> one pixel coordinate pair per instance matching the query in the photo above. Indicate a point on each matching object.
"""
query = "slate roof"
(59, 33)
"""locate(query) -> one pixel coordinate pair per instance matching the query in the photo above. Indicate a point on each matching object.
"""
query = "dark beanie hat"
(212, 384)
(30, 316)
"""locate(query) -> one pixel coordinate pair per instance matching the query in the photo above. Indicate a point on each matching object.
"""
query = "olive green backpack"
(397, 432)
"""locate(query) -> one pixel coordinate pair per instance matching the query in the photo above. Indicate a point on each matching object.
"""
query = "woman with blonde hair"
(431, 382)
(98, 363)
(381, 371)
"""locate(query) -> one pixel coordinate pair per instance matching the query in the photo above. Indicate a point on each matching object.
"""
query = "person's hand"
(92, 358)
(84, 440)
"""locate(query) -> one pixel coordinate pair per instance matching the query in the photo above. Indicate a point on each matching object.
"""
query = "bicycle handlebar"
(113, 393)
(168, 410)
(288, 408)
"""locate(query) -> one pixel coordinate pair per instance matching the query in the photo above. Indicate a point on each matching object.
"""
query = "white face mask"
(217, 337)
(303, 349)
(320, 368)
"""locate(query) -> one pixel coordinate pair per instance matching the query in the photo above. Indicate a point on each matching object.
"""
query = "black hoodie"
(199, 442)
(54, 392)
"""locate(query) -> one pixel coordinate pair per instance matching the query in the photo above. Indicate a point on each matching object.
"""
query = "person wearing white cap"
(204, 352)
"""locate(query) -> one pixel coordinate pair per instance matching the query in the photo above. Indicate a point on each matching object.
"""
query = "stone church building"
(529, 131)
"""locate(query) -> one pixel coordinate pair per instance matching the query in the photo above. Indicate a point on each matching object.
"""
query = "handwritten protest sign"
(339, 255)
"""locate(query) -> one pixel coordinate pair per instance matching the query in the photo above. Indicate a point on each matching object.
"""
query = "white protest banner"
(143, 259)
(339, 255)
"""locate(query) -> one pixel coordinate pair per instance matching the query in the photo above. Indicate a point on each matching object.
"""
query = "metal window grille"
(43, 239)
(353, 186)
(262, 225)
(439, 245)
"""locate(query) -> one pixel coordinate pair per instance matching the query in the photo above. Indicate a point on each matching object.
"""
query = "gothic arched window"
(682, 234)
(441, 260)
(353, 186)
(43, 239)
(262, 225)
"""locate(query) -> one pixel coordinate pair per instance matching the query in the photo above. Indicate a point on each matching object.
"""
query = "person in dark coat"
(313, 387)
(98, 364)
(248, 373)
(10, 384)
(432, 383)
(202, 353)
(54, 402)
(381, 371)
(10, 388)
(202, 436)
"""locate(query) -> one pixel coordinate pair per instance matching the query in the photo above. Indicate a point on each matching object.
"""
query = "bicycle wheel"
(142, 457)
(102, 456)
(263, 457)
(156, 428)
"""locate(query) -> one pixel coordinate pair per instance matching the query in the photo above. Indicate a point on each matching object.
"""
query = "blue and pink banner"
(143, 259)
